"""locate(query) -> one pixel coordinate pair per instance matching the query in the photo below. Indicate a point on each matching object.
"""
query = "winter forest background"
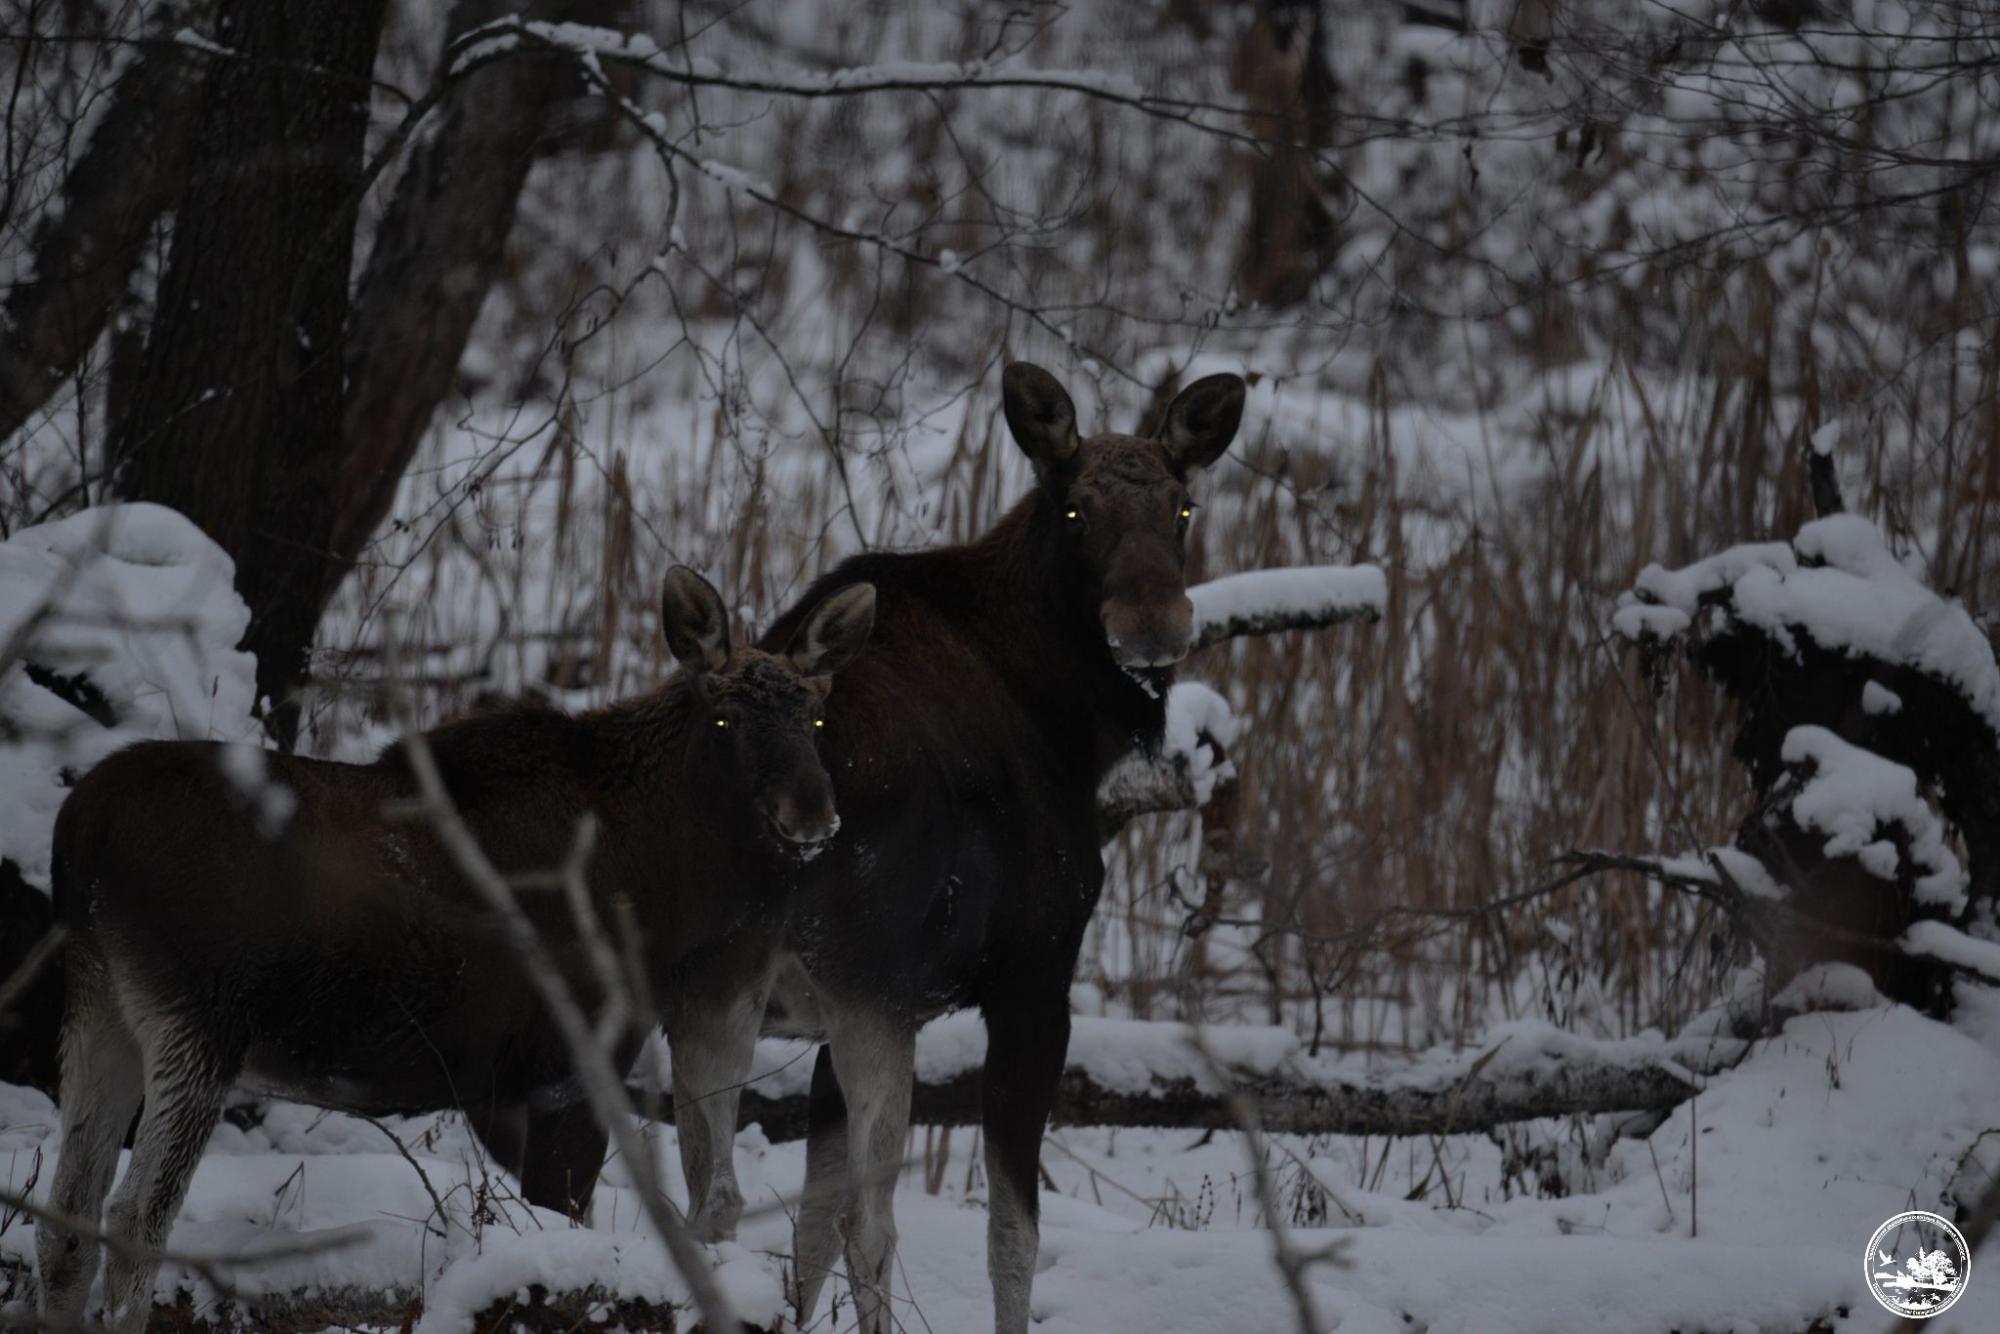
(1648, 350)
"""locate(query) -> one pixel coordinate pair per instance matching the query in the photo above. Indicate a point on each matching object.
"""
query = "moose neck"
(641, 747)
(1043, 631)
(643, 741)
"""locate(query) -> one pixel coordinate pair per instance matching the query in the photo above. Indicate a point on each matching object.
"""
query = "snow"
(586, 41)
(135, 600)
(1829, 986)
(1138, 1056)
(1837, 582)
(1319, 590)
(1742, 871)
(1938, 940)
(1748, 874)
(623, 1267)
(734, 178)
(1878, 699)
(1195, 710)
(1748, 1209)
(1853, 793)
(1684, 588)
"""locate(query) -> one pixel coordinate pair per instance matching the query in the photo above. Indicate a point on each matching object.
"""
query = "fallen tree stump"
(1129, 1073)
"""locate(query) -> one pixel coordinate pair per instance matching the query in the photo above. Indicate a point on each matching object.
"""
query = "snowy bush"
(117, 624)
(1868, 715)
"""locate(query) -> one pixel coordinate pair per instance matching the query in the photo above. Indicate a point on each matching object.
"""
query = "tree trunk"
(1282, 69)
(84, 252)
(236, 417)
(436, 254)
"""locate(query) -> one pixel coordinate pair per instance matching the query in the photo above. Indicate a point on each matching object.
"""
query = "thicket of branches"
(393, 300)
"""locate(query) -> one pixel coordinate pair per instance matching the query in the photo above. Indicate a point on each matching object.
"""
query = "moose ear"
(693, 620)
(1040, 414)
(1202, 420)
(835, 632)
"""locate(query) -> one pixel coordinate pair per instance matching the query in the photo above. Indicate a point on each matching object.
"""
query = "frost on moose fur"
(131, 621)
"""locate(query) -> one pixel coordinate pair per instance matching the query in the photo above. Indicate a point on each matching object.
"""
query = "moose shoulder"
(284, 922)
(1004, 677)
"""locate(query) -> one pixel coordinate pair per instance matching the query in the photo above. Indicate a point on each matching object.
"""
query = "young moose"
(336, 956)
(1003, 679)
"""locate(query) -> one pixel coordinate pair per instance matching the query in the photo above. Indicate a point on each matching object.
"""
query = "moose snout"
(801, 817)
(1149, 634)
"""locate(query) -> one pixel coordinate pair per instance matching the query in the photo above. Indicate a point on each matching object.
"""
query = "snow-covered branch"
(1310, 597)
(1193, 756)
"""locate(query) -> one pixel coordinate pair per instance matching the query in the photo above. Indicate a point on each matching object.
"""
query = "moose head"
(1123, 503)
(754, 717)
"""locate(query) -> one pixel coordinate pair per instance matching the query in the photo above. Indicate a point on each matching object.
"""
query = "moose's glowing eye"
(1187, 512)
(1073, 515)
(819, 722)
(722, 722)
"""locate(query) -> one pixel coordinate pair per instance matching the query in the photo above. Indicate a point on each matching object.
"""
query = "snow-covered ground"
(1750, 1208)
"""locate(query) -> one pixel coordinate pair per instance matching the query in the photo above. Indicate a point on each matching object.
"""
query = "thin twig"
(601, 1082)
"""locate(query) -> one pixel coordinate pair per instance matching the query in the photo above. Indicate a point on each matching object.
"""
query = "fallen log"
(1128, 1073)
(309, 1309)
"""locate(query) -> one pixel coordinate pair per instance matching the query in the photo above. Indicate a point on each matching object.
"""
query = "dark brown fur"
(333, 953)
(1004, 677)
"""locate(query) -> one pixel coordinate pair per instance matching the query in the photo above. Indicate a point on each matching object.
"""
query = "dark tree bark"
(84, 253)
(436, 254)
(236, 417)
(1282, 68)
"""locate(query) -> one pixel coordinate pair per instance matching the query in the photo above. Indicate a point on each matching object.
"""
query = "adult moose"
(326, 950)
(1004, 678)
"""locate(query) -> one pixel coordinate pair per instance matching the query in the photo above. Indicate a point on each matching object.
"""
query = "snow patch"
(122, 623)
(1852, 793)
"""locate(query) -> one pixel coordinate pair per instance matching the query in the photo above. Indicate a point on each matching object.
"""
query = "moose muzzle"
(802, 816)
(1153, 633)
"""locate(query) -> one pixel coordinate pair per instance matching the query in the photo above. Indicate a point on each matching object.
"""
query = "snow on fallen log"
(1306, 597)
(527, 1308)
(1132, 1073)
(490, 1266)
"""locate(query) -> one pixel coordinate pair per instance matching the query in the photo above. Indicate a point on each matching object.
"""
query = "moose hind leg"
(101, 1083)
(874, 1056)
(712, 1054)
(816, 1235)
(562, 1155)
(187, 1073)
(1025, 1051)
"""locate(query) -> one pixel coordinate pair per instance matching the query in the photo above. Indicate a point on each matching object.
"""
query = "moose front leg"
(711, 1050)
(874, 1054)
(1026, 1044)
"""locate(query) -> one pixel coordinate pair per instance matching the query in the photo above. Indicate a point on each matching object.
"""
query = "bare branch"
(603, 1084)
(84, 252)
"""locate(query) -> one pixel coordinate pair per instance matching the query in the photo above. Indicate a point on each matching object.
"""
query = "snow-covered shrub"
(117, 624)
(1870, 726)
